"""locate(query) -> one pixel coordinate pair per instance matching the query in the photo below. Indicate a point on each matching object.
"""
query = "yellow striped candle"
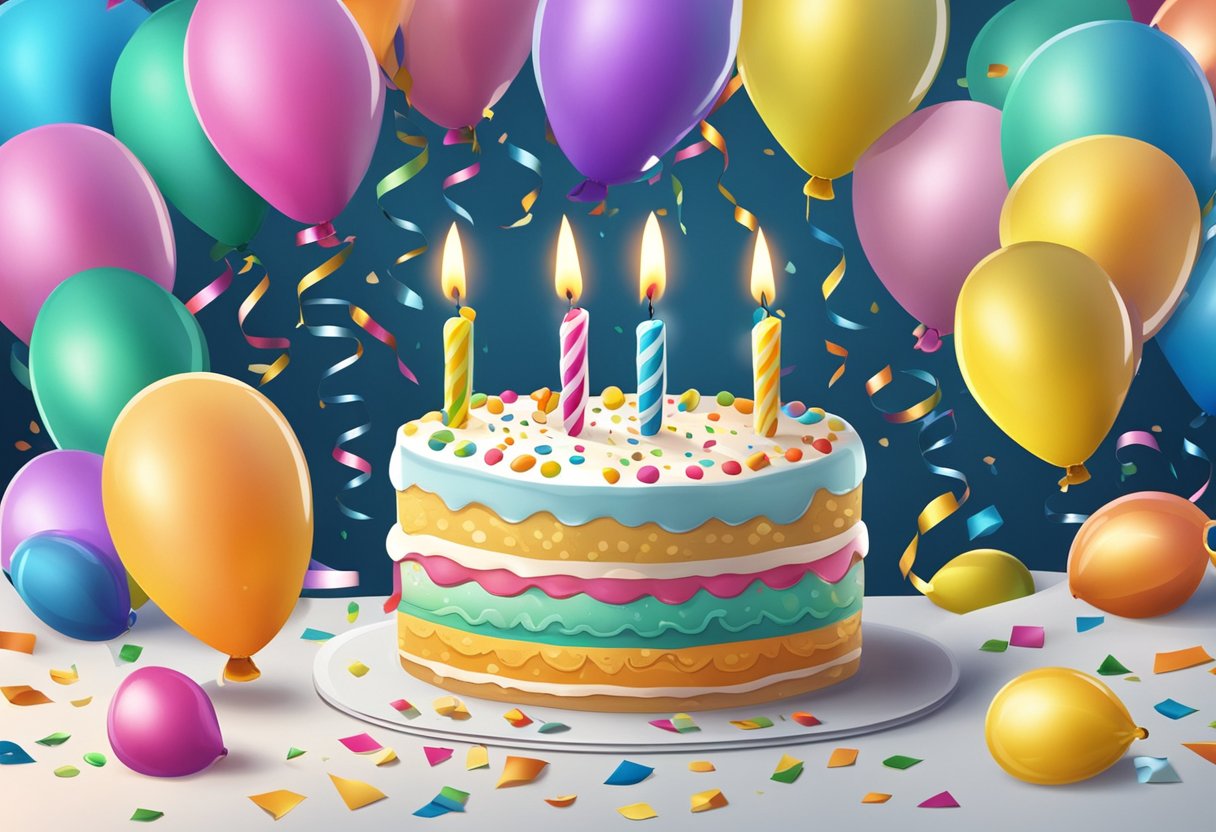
(457, 337)
(766, 344)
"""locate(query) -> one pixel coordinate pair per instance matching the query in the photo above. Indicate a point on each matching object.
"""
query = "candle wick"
(456, 296)
(650, 306)
(764, 305)
(569, 299)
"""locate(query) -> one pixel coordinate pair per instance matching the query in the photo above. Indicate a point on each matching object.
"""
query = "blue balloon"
(56, 61)
(1188, 340)
(72, 586)
(1117, 78)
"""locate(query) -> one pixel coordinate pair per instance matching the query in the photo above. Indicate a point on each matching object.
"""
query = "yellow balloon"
(379, 21)
(1124, 203)
(207, 497)
(979, 578)
(829, 77)
(1056, 725)
(1046, 346)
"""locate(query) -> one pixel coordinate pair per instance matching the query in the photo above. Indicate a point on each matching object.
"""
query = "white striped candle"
(573, 337)
(652, 375)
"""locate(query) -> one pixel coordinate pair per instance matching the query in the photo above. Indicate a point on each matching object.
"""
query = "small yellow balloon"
(1046, 346)
(829, 77)
(979, 578)
(1056, 725)
(1142, 227)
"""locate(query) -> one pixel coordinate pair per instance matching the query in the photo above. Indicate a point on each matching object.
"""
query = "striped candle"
(458, 367)
(766, 374)
(652, 375)
(573, 337)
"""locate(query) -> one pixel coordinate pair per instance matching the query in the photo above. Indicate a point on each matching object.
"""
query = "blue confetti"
(984, 522)
(628, 773)
(1085, 623)
(1155, 770)
(1173, 710)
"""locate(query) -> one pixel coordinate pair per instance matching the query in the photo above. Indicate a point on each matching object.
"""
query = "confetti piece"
(788, 769)
(448, 800)
(17, 642)
(664, 725)
(701, 766)
(384, 756)
(313, 634)
(984, 522)
(842, 757)
(146, 815)
(768, 151)
(876, 797)
(1180, 659)
(1173, 710)
(684, 723)
(1112, 667)
(790, 268)
(1155, 770)
(65, 677)
(517, 718)
(941, 800)
(755, 723)
(57, 738)
(352, 612)
(436, 755)
(1085, 623)
(80, 703)
(404, 708)
(1131, 678)
(24, 695)
(360, 744)
(12, 754)
(563, 801)
(884, 442)
(66, 771)
(994, 645)
(900, 762)
(712, 799)
(95, 758)
(277, 803)
(450, 707)
(553, 728)
(997, 70)
(628, 773)
(358, 669)
(518, 771)
(1022, 636)
(355, 793)
(294, 752)
(130, 653)
(478, 757)
(1206, 750)
(805, 719)
(638, 811)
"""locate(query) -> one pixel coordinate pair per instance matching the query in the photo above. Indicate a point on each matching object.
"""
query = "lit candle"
(457, 336)
(568, 281)
(652, 335)
(766, 344)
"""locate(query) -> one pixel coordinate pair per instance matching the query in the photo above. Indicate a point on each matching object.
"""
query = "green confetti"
(352, 612)
(962, 82)
(313, 634)
(67, 771)
(57, 738)
(1112, 667)
(294, 752)
(95, 759)
(790, 268)
(789, 775)
(1131, 678)
(455, 795)
(900, 762)
(553, 728)
(130, 652)
(618, 329)
(342, 534)
(147, 815)
(994, 645)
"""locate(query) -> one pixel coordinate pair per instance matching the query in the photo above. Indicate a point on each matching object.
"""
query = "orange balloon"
(1193, 24)
(1140, 555)
(207, 497)
(379, 21)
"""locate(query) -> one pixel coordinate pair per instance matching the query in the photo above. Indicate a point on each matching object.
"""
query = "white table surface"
(261, 720)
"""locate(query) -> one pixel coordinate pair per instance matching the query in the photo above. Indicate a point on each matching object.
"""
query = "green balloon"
(101, 337)
(1020, 28)
(153, 116)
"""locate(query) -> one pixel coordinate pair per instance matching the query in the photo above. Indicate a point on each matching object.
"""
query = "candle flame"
(764, 289)
(452, 271)
(652, 275)
(567, 277)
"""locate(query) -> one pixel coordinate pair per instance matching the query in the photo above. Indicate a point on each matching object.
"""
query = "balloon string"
(465, 135)
(522, 157)
(325, 236)
(19, 364)
(407, 135)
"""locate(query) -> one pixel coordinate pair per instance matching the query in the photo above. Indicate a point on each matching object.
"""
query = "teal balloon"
(1017, 30)
(56, 61)
(73, 587)
(1188, 340)
(101, 337)
(1112, 78)
(153, 116)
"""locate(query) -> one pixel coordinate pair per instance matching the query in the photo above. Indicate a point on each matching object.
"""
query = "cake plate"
(903, 676)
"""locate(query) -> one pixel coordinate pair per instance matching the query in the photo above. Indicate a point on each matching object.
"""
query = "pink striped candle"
(574, 369)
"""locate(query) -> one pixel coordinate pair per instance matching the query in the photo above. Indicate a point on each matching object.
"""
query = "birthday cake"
(702, 567)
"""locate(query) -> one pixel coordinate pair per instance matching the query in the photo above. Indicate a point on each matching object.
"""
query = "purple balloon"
(161, 723)
(1143, 11)
(927, 200)
(56, 491)
(624, 80)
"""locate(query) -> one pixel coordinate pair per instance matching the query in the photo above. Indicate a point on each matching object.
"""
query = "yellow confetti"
(358, 669)
(478, 757)
(876, 797)
(701, 765)
(842, 757)
(80, 703)
(884, 441)
(450, 707)
(517, 718)
(372, 278)
(384, 756)
(355, 793)
(65, 677)
(518, 771)
(874, 308)
(704, 801)
(24, 695)
(768, 151)
(638, 811)
(563, 801)
(277, 803)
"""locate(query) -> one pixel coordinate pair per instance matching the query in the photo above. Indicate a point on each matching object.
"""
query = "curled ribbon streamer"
(832, 282)
(883, 377)
(841, 353)
(271, 371)
(522, 157)
(324, 236)
(1144, 439)
(465, 135)
(320, 576)
(206, 295)
(395, 179)
(19, 364)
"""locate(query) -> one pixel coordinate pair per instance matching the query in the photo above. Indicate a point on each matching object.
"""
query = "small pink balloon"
(927, 200)
(291, 96)
(463, 54)
(73, 198)
(161, 723)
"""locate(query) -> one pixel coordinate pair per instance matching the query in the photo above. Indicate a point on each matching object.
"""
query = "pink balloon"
(161, 723)
(290, 94)
(73, 198)
(927, 200)
(463, 54)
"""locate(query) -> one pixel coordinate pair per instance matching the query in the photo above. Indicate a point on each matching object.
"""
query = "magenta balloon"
(290, 94)
(161, 723)
(463, 54)
(73, 198)
(58, 491)
(1143, 11)
(927, 200)
(624, 80)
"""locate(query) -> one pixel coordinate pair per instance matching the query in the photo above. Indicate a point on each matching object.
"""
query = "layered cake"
(703, 567)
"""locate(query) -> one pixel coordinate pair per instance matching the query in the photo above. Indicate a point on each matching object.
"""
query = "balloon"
(1113, 77)
(153, 117)
(1046, 346)
(1144, 10)
(1193, 24)
(979, 578)
(1141, 555)
(207, 495)
(297, 117)
(101, 337)
(926, 198)
(1188, 341)
(463, 54)
(56, 59)
(162, 724)
(73, 587)
(73, 198)
(829, 78)
(1056, 725)
(1142, 229)
(379, 21)
(1016, 31)
(624, 80)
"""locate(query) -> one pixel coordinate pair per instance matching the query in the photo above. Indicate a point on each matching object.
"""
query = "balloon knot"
(1141, 733)
(928, 339)
(241, 669)
(1074, 475)
(588, 191)
(819, 188)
